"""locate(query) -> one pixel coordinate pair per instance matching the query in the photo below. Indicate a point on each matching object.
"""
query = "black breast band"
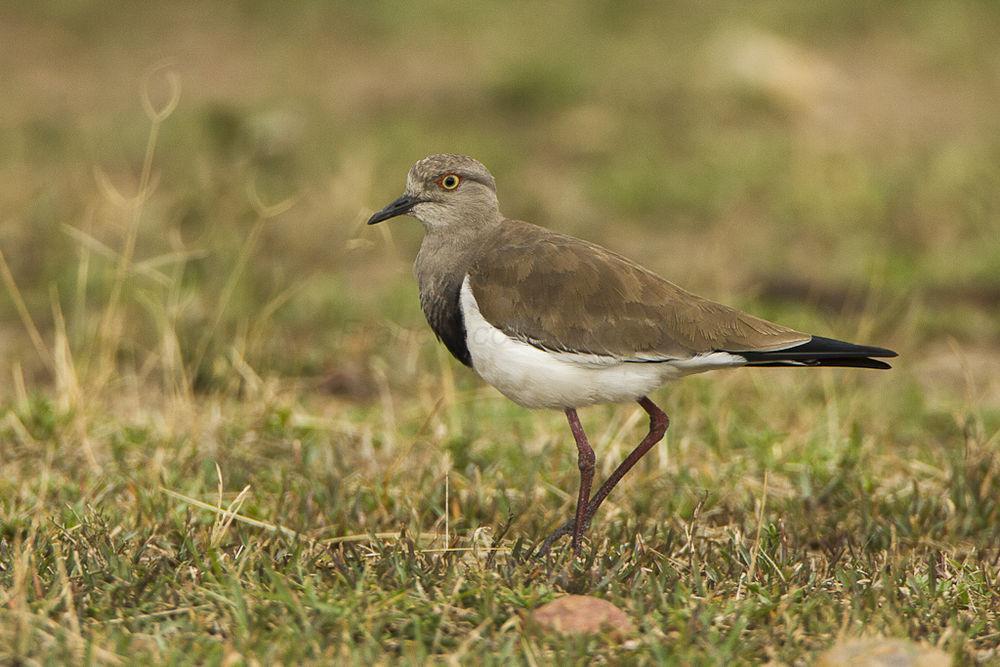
(443, 309)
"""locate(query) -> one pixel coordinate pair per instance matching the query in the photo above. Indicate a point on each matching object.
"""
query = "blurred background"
(194, 316)
(835, 166)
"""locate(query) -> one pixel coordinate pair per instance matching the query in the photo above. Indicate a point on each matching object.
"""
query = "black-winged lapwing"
(553, 321)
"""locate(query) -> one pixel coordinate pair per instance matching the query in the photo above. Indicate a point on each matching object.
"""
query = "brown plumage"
(554, 321)
(608, 305)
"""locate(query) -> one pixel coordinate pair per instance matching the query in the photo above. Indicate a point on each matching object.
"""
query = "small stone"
(582, 614)
(880, 652)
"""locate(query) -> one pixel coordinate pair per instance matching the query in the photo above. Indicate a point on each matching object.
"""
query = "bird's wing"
(560, 293)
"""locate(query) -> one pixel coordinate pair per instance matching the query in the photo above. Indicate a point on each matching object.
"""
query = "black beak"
(399, 207)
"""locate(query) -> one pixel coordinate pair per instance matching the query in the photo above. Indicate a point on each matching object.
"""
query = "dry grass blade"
(146, 268)
(274, 528)
(23, 313)
(156, 614)
(246, 251)
(368, 537)
(224, 520)
(755, 549)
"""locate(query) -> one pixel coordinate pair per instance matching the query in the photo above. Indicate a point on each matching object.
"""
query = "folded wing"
(564, 294)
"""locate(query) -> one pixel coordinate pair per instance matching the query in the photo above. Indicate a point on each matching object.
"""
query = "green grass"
(226, 433)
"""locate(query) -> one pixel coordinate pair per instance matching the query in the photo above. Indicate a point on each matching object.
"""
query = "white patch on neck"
(537, 378)
(432, 215)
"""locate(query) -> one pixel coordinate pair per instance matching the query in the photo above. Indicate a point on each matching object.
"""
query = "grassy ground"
(226, 433)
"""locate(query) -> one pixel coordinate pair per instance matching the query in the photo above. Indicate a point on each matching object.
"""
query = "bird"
(554, 321)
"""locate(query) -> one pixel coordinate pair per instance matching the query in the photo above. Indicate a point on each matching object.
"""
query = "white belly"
(537, 378)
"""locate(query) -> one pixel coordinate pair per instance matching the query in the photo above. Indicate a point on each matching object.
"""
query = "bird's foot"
(563, 530)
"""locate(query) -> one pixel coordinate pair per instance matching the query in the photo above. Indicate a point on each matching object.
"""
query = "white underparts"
(538, 378)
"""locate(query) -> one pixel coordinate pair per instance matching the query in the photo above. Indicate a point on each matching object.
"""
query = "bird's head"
(445, 191)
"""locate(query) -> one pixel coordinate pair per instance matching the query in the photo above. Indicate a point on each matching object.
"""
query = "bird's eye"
(449, 181)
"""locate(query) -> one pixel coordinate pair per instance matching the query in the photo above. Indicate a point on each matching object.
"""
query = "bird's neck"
(448, 253)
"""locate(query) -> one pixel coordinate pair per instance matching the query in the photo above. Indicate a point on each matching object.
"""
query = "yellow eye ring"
(449, 181)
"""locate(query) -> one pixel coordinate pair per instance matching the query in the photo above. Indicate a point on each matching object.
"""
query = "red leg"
(585, 461)
(658, 423)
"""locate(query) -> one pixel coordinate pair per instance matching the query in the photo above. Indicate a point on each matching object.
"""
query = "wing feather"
(565, 294)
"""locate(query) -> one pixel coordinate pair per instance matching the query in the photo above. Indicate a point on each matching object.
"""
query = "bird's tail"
(821, 352)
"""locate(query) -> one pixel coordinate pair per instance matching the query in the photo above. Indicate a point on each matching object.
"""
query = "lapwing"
(554, 321)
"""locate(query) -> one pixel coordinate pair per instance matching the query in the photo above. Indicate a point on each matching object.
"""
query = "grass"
(226, 434)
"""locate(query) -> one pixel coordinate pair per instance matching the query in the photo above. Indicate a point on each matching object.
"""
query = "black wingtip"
(820, 351)
(844, 362)
(831, 347)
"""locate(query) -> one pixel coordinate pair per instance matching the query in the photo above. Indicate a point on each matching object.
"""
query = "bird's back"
(562, 293)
